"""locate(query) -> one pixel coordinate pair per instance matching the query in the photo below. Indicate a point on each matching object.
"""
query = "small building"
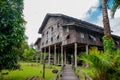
(64, 37)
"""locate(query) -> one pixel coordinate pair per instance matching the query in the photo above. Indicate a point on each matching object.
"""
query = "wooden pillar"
(49, 55)
(61, 55)
(54, 54)
(64, 55)
(86, 49)
(44, 63)
(58, 58)
(75, 54)
(86, 64)
(44, 52)
(41, 56)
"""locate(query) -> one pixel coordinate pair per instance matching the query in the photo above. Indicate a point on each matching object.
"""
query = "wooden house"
(64, 37)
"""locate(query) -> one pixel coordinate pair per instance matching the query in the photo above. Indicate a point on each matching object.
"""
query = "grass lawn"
(29, 70)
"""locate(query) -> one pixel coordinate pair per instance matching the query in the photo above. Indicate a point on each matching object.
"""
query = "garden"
(29, 70)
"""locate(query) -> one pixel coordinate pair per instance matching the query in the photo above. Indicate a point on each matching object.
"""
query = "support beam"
(86, 49)
(75, 54)
(58, 59)
(49, 55)
(65, 56)
(61, 55)
(86, 64)
(41, 56)
(54, 54)
(44, 52)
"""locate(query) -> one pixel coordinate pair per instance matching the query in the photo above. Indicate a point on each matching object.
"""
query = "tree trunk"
(106, 24)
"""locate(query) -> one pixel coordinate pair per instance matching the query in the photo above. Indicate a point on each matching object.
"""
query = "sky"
(86, 10)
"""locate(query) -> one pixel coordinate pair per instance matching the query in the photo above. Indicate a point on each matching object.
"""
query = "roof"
(78, 21)
(37, 41)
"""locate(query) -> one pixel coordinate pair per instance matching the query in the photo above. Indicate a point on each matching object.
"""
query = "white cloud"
(35, 11)
(114, 23)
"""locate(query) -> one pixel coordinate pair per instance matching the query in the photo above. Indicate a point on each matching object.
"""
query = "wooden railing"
(86, 77)
(58, 75)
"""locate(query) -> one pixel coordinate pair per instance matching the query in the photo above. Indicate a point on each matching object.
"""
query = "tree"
(107, 40)
(106, 23)
(29, 53)
(11, 32)
(116, 5)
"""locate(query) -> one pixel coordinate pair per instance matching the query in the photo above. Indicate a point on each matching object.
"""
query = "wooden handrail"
(59, 73)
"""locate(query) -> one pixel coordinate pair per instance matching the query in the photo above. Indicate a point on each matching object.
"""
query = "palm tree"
(106, 24)
(107, 39)
(115, 6)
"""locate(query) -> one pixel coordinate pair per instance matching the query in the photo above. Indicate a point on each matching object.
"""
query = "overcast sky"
(35, 11)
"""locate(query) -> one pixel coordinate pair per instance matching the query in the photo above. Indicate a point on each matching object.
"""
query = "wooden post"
(44, 64)
(44, 53)
(65, 56)
(58, 59)
(49, 55)
(41, 56)
(86, 49)
(61, 55)
(86, 64)
(54, 54)
(75, 54)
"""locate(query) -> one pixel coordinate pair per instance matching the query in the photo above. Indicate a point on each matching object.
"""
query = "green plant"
(108, 45)
(106, 66)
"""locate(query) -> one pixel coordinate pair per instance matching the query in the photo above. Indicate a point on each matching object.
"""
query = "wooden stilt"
(54, 54)
(75, 54)
(49, 55)
(61, 55)
(86, 64)
(41, 56)
(65, 56)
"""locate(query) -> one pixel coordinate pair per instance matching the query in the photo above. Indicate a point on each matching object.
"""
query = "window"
(91, 37)
(51, 39)
(101, 39)
(67, 30)
(116, 42)
(58, 25)
(42, 34)
(82, 35)
(68, 36)
(42, 43)
(46, 41)
(47, 32)
(58, 37)
(52, 29)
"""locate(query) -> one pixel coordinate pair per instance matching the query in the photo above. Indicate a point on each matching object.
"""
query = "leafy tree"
(29, 53)
(11, 32)
(21, 49)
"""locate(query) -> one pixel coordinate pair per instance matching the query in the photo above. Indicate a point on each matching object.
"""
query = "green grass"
(29, 70)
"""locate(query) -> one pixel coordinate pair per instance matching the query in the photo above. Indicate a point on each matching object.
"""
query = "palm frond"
(116, 5)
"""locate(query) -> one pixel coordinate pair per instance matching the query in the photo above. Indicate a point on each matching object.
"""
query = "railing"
(58, 75)
(86, 77)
